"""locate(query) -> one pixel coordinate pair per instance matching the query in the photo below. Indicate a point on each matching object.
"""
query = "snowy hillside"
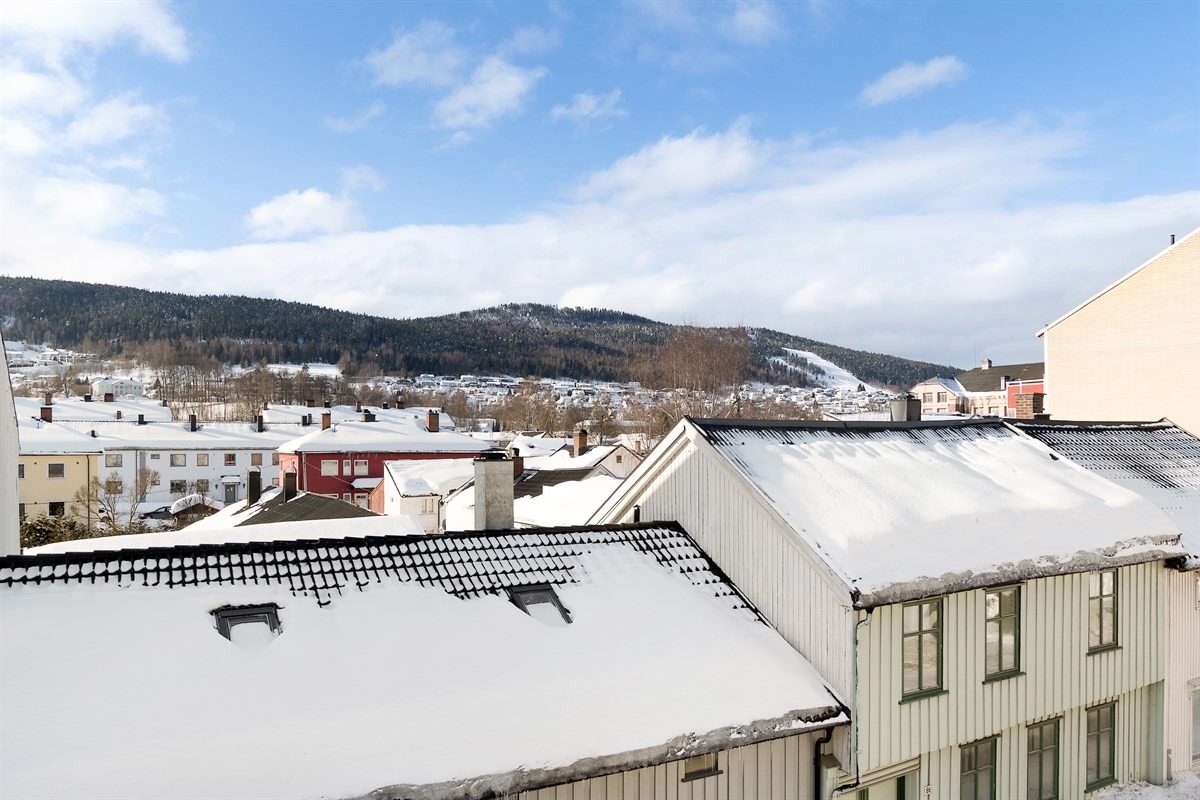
(819, 371)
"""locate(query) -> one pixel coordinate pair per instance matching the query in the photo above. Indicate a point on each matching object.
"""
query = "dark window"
(1042, 780)
(927, 397)
(541, 603)
(231, 459)
(1002, 631)
(1100, 724)
(922, 649)
(56, 509)
(20, 471)
(113, 486)
(202, 485)
(978, 770)
(1195, 725)
(697, 767)
(178, 487)
(275, 459)
(256, 459)
(56, 470)
(178, 459)
(114, 459)
(21, 510)
(249, 626)
(1102, 609)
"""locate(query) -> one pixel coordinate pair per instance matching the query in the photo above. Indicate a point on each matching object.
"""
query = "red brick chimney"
(580, 442)
(518, 462)
(326, 420)
(47, 413)
(1031, 405)
(108, 397)
(433, 420)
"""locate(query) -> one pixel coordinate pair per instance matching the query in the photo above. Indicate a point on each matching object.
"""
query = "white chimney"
(985, 364)
(493, 491)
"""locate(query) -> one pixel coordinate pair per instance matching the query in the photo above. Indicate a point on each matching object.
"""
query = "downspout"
(857, 700)
(824, 739)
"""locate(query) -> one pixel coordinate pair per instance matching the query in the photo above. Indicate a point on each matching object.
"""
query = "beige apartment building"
(1129, 352)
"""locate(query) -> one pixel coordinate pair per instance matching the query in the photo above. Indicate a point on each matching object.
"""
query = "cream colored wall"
(780, 769)
(952, 404)
(1130, 354)
(1134, 738)
(1183, 663)
(36, 490)
(1059, 675)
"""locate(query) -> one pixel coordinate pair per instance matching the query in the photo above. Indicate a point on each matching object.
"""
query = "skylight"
(541, 603)
(251, 627)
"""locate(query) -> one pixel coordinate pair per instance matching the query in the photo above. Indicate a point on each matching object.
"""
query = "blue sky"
(935, 180)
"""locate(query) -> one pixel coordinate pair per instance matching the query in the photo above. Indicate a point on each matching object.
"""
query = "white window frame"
(329, 467)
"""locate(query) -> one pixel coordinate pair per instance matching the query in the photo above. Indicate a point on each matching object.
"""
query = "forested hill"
(516, 339)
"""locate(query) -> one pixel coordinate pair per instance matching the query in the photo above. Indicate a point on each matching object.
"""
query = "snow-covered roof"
(157, 435)
(1157, 460)
(950, 384)
(224, 528)
(281, 414)
(74, 408)
(570, 503)
(376, 680)
(37, 438)
(566, 459)
(902, 510)
(537, 445)
(383, 436)
(425, 476)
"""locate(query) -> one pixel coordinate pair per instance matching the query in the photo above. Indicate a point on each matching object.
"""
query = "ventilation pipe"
(192, 426)
(493, 491)
(49, 398)
(119, 415)
(329, 404)
(258, 424)
(141, 419)
(367, 416)
(87, 398)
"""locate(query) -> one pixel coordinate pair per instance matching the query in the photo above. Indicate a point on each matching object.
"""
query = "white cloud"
(753, 22)
(687, 165)
(891, 244)
(586, 107)
(113, 120)
(361, 177)
(298, 213)
(52, 29)
(355, 122)
(496, 89)
(910, 79)
(530, 40)
(426, 55)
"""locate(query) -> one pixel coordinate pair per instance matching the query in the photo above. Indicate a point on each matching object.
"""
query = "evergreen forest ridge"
(516, 339)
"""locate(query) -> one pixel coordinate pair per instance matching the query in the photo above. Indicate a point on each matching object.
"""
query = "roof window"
(252, 627)
(541, 603)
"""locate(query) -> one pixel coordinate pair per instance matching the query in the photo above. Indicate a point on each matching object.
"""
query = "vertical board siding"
(795, 591)
(940, 769)
(780, 769)
(1059, 675)
(1183, 663)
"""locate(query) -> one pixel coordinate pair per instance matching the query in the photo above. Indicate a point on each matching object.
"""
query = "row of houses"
(954, 609)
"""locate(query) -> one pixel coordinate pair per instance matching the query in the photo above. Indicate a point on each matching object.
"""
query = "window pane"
(1008, 641)
(1032, 783)
(929, 661)
(1049, 770)
(911, 615)
(1106, 582)
(1094, 622)
(1094, 584)
(992, 647)
(1008, 602)
(985, 785)
(992, 605)
(912, 680)
(929, 615)
(1195, 725)
(1107, 621)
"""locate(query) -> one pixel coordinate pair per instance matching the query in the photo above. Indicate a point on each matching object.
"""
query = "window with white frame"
(231, 459)
(360, 466)
(329, 467)
(346, 466)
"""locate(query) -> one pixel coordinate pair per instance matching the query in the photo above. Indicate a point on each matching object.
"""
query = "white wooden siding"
(780, 769)
(1183, 663)
(1059, 674)
(1134, 738)
(809, 607)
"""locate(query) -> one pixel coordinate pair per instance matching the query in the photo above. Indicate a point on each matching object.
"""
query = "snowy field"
(834, 377)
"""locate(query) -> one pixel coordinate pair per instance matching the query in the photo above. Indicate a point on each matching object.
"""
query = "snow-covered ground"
(833, 376)
(1185, 786)
(314, 369)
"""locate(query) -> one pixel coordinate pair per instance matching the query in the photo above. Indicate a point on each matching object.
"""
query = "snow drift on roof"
(900, 511)
(399, 684)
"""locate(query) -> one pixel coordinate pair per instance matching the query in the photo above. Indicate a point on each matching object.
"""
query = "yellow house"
(1128, 353)
(54, 464)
